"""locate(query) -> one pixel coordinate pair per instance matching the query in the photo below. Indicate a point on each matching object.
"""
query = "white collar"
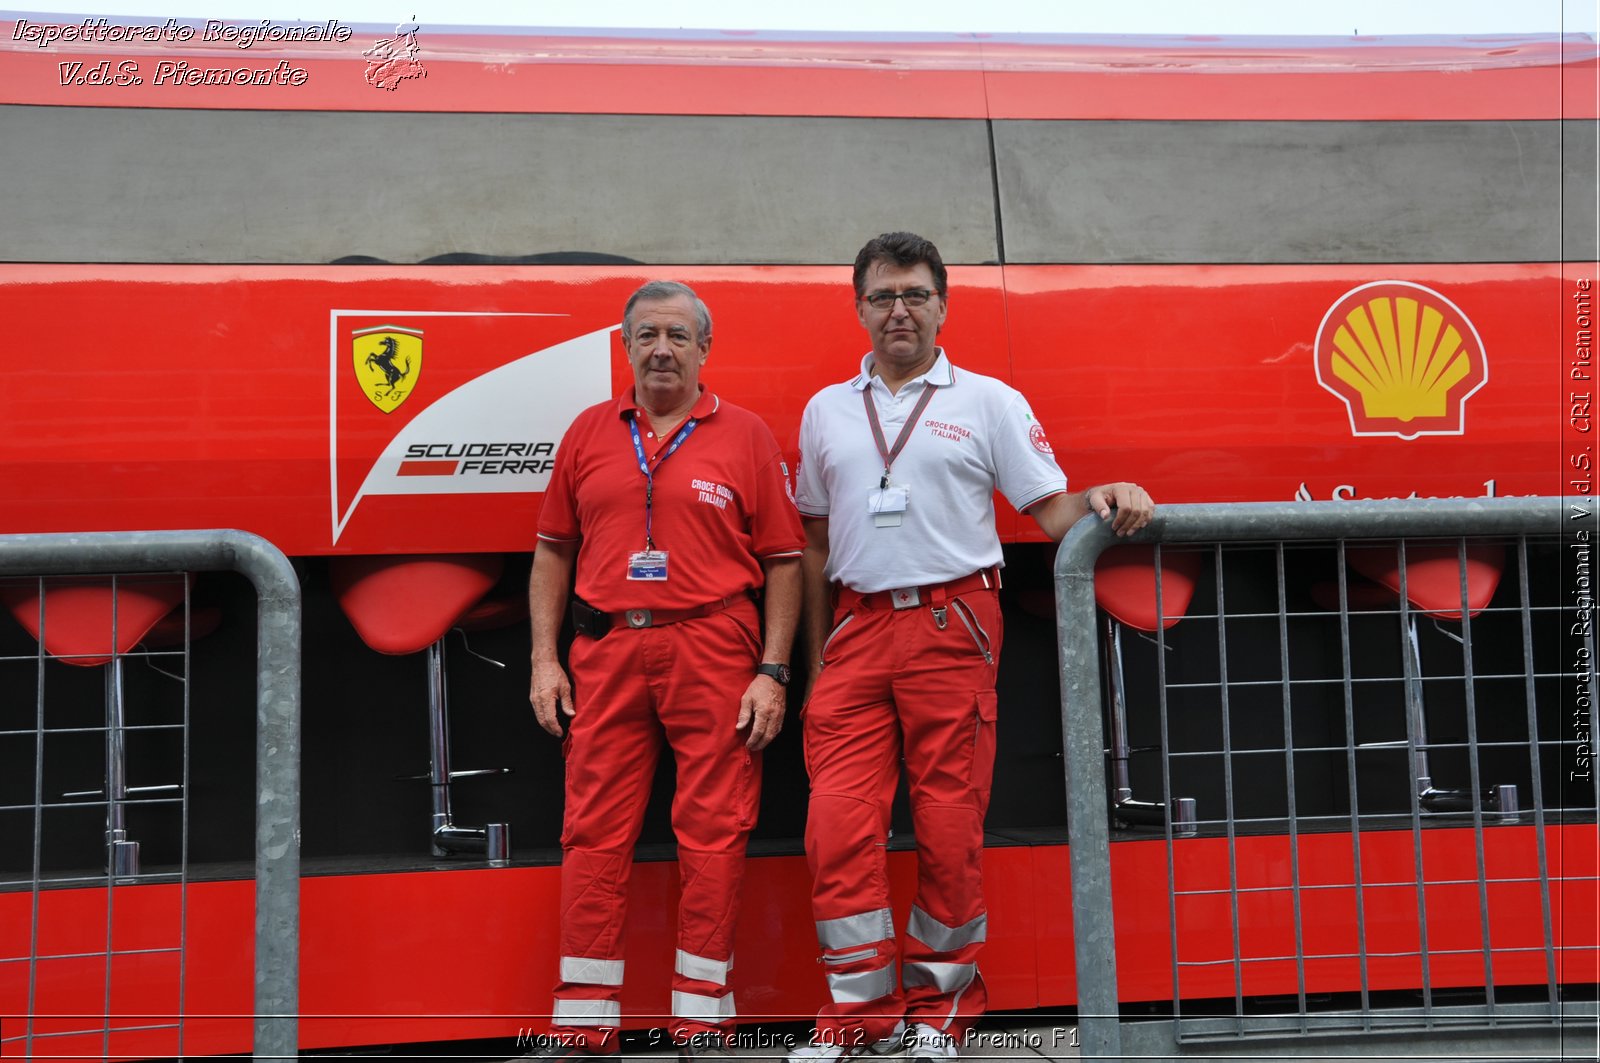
(940, 374)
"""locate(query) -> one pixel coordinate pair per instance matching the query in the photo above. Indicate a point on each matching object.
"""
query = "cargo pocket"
(746, 794)
(983, 744)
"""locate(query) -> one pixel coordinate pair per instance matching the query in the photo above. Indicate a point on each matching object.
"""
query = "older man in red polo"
(673, 512)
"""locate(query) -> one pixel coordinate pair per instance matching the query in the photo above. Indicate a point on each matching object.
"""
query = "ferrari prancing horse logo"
(388, 362)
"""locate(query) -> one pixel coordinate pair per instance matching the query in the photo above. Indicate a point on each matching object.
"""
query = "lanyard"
(884, 452)
(644, 467)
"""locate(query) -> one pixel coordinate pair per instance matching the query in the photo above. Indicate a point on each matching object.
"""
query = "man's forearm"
(817, 609)
(1058, 513)
(547, 594)
(781, 608)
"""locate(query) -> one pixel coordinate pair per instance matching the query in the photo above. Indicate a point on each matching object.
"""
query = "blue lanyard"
(644, 467)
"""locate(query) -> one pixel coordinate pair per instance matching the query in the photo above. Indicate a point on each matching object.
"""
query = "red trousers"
(916, 682)
(632, 688)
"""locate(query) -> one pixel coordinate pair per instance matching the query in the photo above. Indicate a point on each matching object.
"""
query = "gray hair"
(659, 291)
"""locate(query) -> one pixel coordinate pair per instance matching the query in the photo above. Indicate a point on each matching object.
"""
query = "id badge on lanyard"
(887, 503)
(650, 564)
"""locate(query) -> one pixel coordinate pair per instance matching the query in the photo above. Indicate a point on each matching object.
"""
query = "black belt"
(595, 623)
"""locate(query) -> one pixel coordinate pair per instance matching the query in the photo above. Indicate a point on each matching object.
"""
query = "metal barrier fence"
(277, 825)
(1297, 759)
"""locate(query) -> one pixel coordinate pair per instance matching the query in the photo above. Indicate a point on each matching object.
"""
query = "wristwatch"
(778, 672)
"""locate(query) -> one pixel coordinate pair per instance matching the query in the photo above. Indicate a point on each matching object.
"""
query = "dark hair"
(903, 250)
(661, 291)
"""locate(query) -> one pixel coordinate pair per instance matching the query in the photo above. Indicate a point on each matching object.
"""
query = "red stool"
(407, 604)
(1125, 588)
(94, 622)
(1435, 584)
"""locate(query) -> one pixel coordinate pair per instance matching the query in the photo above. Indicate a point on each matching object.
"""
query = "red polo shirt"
(722, 505)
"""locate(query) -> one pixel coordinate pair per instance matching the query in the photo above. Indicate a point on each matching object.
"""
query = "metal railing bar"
(1388, 612)
(1444, 679)
(91, 955)
(1371, 748)
(1537, 782)
(1443, 819)
(1415, 714)
(96, 803)
(1399, 1019)
(1379, 821)
(1227, 791)
(38, 837)
(1502, 950)
(131, 655)
(99, 729)
(1474, 776)
(1432, 821)
(1314, 886)
(183, 814)
(1166, 785)
(97, 1029)
(90, 730)
(143, 878)
(1289, 785)
(91, 655)
(114, 765)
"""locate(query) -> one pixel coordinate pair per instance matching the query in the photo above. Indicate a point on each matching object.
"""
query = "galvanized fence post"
(278, 647)
(1094, 942)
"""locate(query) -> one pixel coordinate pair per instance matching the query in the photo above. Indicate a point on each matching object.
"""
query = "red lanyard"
(905, 430)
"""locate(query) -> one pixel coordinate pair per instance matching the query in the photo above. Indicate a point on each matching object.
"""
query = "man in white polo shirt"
(897, 478)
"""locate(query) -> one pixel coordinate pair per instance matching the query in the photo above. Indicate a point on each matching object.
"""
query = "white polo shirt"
(976, 434)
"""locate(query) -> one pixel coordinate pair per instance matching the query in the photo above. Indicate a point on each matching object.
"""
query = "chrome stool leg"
(1501, 798)
(122, 855)
(493, 840)
(1125, 807)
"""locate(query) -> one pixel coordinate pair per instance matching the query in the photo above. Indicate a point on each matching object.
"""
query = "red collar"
(704, 406)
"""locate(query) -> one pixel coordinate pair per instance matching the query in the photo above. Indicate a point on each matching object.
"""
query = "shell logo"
(1402, 358)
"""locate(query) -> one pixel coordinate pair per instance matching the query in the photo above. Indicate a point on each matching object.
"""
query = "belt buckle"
(905, 597)
(638, 618)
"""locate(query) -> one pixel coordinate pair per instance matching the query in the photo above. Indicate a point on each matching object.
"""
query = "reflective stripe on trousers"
(703, 969)
(867, 928)
(591, 972)
(710, 1010)
(862, 987)
(940, 938)
(570, 1012)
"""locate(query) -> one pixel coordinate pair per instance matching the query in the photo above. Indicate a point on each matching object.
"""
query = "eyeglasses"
(912, 297)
